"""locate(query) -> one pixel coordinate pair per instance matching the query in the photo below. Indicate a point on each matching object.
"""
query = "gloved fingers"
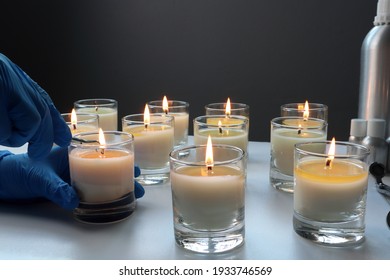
(45, 183)
(62, 194)
(20, 123)
(59, 161)
(41, 142)
(139, 190)
(137, 171)
(62, 134)
(5, 127)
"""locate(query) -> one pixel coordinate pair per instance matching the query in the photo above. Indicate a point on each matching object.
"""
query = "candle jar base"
(279, 180)
(342, 233)
(153, 176)
(209, 241)
(106, 212)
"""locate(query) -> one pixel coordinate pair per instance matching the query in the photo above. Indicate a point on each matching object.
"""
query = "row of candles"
(156, 141)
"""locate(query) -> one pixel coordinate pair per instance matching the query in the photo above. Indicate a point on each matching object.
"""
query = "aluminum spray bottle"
(374, 94)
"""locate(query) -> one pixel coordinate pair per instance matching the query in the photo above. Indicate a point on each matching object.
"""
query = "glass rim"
(81, 136)
(274, 123)
(174, 104)
(140, 119)
(94, 117)
(241, 105)
(317, 106)
(239, 117)
(185, 150)
(364, 150)
(103, 102)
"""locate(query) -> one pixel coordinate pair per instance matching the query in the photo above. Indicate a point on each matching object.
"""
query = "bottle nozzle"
(383, 13)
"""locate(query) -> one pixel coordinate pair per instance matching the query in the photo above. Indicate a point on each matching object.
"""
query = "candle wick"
(220, 130)
(74, 126)
(328, 162)
(146, 126)
(299, 131)
(102, 151)
(96, 108)
(166, 112)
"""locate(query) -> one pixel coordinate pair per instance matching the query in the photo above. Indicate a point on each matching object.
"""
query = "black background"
(264, 53)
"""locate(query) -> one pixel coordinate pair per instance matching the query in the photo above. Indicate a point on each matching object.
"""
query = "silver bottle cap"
(376, 128)
(358, 127)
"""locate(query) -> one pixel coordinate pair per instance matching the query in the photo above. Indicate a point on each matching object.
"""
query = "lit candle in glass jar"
(208, 192)
(107, 109)
(154, 138)
(81, 122)
(330, 192)
(177, 109)
(102, 172)
(233, 132)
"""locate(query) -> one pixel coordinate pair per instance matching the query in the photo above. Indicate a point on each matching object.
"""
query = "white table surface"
(45, 231)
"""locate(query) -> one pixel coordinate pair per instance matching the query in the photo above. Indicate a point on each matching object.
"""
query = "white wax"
(282, 146)
(108, 117)
(100, 178)
(233, 137)
(330, 194)
(208, 200)
(181, 127)
(82, 128)
(152, 145)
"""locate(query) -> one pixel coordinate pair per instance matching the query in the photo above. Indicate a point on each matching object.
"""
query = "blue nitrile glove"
(22, 178)
(27, 114)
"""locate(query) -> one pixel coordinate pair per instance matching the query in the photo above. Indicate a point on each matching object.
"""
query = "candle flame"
(165, 104)
(306, 111)
(228, 108)
(146, 116)
(73, 119)
(209, 154)
(331, 153)
(102, 140)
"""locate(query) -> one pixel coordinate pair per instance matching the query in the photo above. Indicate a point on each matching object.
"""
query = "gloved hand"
(27, 114)
(22, 178)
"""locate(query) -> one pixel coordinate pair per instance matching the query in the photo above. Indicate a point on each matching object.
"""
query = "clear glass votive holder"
(208, 203)
(231, 130)
(180, 111)
(152, 144)
(330, 194)
(236, 109)
(103, 176)
(107, 109)
(285, 133)
(84, 122)
(316, 110)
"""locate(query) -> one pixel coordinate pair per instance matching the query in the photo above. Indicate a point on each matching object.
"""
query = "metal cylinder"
(374, 94)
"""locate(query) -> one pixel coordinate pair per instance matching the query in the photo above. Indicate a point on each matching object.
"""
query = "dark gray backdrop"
(261, 52)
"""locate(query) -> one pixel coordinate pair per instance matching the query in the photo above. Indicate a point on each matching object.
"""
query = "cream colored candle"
(177, 109)
(223, 130)
(282, 145)
(152, 145)
(209, 199)
(108, 117)
(234, 137)
(101, 177)
(81, 122)
(331, 193)
(181, 127)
